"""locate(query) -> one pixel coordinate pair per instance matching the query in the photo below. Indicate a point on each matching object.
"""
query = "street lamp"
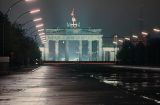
(41, 34)
(43, 40)
(6, 13)
(37, 19)
(144, 34)
(128, 39)
(40, 30)
(156, 30)
(31, 12)
(120, 40)
(115, 43)
(134, 36)
(34, 20)
(14, 4)
(39, 25)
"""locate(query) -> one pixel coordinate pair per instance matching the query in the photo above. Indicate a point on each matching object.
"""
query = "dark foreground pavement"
(62, 85)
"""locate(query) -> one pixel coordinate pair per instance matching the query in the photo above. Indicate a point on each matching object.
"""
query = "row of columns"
(99, 56)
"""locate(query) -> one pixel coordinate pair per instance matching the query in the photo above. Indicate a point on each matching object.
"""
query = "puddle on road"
(145, 85)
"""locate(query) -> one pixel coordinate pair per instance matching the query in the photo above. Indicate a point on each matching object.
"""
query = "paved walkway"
(61, 85)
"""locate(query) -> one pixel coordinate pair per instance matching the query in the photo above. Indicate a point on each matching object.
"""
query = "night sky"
(113, 16)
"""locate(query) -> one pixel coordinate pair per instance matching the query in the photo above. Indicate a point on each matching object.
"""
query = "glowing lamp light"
(120, 41)
(40, 30)
(114, 42)
(135, 36)
(156, 30)
(41, 34)
(29, 0)
(39, 25)
(34, 11)
(37, 19)
(127, 39)
(43, 39)
(144, 33)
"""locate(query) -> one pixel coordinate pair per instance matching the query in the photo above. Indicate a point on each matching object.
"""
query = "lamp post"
(34, 20)
(39, 25)
(14, 4)
(135, 36)
(6, 13)
(126, 38)
(31, 12)
(156, 30)
(144, 34)
(34, 31)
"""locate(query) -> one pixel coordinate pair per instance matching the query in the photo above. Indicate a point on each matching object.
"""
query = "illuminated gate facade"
(73, 32)
(79, 35)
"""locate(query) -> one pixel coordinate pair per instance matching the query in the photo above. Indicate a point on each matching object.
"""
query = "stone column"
(80, 50)
(57, 50)
(104, 56)
(100, 50)
(46, 51)
(90, 50)
(66, 51)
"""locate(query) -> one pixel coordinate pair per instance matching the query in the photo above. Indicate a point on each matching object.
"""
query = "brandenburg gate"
(73, 32)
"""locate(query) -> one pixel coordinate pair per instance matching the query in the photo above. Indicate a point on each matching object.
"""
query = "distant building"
(73, 43)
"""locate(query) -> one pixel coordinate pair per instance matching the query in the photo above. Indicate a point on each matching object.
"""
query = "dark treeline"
(140, 54)
(22, 50)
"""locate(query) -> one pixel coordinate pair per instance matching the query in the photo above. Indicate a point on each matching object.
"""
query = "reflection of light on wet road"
(143, 84)
(139, 68)
(157, 101)
(115, 83)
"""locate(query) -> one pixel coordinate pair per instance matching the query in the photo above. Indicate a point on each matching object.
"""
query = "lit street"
(79, 84)
(79, 52)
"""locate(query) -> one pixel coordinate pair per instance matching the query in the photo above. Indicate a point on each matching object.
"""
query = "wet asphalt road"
(67, 85)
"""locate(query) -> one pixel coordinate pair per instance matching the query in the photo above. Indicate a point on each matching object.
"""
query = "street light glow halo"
(37, 19)
(39, 25)
(29, 0)
(135, 36)
(127, 39)
(144, 33)
(41, 34)
(120, 40)
(156, 30)
(114, 42)
(34, 11)
(40, 30)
